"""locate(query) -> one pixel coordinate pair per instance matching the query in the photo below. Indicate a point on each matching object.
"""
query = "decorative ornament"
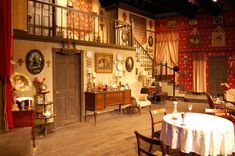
(124, 16)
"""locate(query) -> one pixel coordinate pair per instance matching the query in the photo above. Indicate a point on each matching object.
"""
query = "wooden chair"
(211, 103)
(217, 112)
(154, 121)
(144, 141)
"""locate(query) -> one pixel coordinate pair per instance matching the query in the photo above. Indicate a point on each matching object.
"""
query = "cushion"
(143, 97)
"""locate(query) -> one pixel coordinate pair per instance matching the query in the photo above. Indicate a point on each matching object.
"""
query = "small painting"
(194, 40)
(34, 61)
(218, 39)
(171, 24)
(103, 63)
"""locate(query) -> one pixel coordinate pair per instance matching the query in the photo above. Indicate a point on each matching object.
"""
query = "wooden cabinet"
(95, 101)
(24, 118)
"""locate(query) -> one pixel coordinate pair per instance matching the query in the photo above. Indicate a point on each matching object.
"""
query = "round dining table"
(199, 133)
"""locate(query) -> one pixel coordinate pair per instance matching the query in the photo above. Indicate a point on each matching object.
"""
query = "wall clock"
(34, 61)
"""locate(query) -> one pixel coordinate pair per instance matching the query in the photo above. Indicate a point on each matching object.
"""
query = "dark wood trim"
(130, 8)
(23, 35)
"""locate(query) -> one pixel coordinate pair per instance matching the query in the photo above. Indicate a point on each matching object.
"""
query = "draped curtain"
(167, 47)
(199, 72)
(5, 56)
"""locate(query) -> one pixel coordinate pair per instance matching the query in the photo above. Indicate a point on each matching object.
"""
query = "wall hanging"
(34, 61)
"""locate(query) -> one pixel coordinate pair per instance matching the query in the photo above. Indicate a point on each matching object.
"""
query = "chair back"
(143, 149)
(154, 120)
(217, 112)
(135, 89)
(210, 101)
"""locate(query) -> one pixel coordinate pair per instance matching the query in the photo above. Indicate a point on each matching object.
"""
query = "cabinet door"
(127, 97)
(113, 98)
(99, 101)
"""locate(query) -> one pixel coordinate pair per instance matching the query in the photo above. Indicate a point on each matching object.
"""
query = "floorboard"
(113, 134)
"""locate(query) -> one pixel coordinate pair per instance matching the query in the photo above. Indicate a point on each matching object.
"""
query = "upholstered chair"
(139, 100)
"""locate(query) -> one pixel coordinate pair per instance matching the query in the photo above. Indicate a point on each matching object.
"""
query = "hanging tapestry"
(78, 22)
(139, 28)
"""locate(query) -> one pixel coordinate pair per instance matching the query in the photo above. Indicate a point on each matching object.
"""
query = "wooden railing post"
(131, 33)
(161, 66)
(166, 70)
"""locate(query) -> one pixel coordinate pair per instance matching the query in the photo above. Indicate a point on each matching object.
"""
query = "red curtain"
(6, 55)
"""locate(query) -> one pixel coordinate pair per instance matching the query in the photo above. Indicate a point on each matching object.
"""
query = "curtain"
(5, 56)
(167, 47)
(199, 72)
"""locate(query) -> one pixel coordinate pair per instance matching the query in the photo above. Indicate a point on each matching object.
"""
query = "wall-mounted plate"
(89, 54)
(119, 67)
(119, 57)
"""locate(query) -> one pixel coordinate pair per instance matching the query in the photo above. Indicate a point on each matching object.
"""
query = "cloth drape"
(5, 56)
(167, 47)
(199, 72)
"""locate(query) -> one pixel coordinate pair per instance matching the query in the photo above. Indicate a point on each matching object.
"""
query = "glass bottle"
(174, 113)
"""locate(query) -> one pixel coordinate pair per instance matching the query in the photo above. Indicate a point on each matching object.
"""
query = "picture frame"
(103, 63)
(218, 39)
(194, 40)
(34, 61)
(129, 64)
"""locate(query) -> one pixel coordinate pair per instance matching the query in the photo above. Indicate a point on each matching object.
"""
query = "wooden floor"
(113, 134)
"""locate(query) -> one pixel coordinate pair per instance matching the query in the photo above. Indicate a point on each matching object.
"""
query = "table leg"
(33, 135)
(45, 127)
(85, 114)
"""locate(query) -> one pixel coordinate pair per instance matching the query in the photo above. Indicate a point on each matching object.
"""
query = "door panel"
(67, 88)
(217, 73)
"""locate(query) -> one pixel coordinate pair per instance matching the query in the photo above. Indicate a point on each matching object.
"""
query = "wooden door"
(67, 90)
(217, 73)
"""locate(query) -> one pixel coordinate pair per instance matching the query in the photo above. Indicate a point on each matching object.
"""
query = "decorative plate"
(119, 57)
(89, 54)
(119, 67)
(193, 22)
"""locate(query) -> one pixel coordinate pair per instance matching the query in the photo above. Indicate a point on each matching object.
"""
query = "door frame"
(217, 56)
(81, 84)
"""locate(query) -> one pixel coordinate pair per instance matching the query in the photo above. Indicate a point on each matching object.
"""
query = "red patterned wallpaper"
(205, 28)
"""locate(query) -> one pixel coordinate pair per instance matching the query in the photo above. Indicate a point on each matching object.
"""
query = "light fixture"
(214, 0)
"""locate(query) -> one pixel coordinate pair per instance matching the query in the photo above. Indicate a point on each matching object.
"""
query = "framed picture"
(103, 63)
(34, 61)
(218, 39)
(218, 20)
(194, 40)
(129, 64)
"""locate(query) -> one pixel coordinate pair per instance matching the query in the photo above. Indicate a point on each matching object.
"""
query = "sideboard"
(95, 101)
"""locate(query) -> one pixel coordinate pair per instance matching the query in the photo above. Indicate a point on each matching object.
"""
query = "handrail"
(75, 24)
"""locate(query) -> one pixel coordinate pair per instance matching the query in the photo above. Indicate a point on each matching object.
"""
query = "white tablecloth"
(203, 134)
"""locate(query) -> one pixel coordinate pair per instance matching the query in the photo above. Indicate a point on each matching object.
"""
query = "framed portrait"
(34, 61)
(129, 64)
(194, 40)
(103, 63)
(218, 39)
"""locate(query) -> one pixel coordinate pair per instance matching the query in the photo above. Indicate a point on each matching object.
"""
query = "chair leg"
(139, 110)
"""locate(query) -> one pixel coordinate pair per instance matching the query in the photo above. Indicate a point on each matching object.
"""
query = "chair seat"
(143, 103)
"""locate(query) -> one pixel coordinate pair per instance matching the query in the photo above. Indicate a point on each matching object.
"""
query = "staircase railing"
(52, 20)
(143, 56)
(164, 66)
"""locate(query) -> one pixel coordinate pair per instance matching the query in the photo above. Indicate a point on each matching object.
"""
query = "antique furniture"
(143, 142)
(140, 99)
(202, 134)
(24, 118)
(229, 95)
(212, 104)
(43, 110)
(96, 101)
